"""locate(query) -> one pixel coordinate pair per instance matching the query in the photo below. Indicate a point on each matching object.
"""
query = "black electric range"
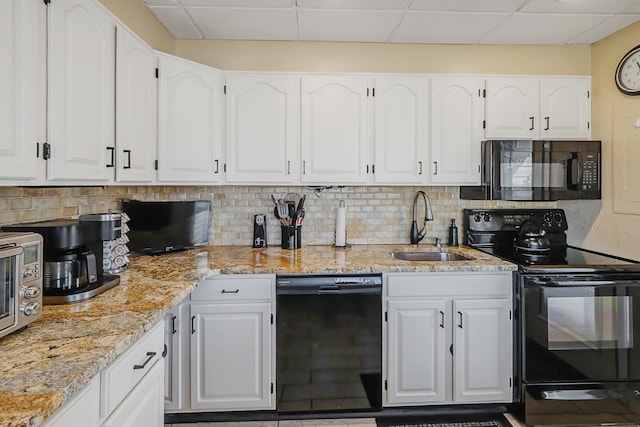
(494, 231)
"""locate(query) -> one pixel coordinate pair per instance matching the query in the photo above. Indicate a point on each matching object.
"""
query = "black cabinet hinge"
(157, 72)
(46, 151)
(155, 164)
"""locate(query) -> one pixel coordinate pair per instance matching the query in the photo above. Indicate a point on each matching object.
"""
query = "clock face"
(628, 73)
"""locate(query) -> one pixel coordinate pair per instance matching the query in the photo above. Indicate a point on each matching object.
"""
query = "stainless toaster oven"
(20, 280)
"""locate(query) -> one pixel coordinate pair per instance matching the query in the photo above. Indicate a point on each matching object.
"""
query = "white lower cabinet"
(232, 343)
(176, 361)
(448, 338)
(129, 392)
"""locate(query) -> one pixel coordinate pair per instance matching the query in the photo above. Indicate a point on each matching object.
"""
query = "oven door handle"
(587, 394)
(585, 283)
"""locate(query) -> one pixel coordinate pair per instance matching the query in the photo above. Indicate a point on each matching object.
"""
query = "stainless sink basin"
(428, 256)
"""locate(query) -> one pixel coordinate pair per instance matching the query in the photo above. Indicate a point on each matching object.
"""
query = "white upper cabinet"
(136, 108)
(400, 138)
(334, 130)
(81, 92)
(20, 124)
(263, 128)
(538, 108)
(189, 122)
(512, 106)
(565, 108)
(457, 111)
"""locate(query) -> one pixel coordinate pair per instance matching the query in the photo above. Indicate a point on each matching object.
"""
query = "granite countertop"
(44, 365)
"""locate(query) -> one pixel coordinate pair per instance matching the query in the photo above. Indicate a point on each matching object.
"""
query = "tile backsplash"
(374, 214)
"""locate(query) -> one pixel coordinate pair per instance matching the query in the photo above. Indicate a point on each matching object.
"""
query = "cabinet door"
(81, 92)
(512, 108)
(263, 116)
(176, 364)
(82, 410)
(416, 370)
(400, 119)
(482, 351)
(565, 108)
(334, 130)
(136, 109)
(231, 356)
(189, 127)
(143, 407)
(19, 121)
(457, 111)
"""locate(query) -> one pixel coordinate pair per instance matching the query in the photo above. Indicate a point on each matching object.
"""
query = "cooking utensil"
(283, 212)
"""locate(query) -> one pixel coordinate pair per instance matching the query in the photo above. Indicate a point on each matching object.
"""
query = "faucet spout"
(417, 235)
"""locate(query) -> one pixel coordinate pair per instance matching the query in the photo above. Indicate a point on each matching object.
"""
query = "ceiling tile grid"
(545, 22)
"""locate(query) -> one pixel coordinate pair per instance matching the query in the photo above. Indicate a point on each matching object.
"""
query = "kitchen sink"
(429, 256)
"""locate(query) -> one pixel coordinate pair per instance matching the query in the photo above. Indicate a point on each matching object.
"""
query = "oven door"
(580, 329)
(545, 170)
(10, 268)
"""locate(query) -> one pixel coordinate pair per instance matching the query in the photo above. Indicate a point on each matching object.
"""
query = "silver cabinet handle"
(150, 355)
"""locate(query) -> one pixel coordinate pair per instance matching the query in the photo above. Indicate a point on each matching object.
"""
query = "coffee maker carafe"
(73, 266)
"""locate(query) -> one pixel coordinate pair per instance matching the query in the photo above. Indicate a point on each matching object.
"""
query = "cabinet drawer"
(234, 288)
(122, 376)
(448, 284)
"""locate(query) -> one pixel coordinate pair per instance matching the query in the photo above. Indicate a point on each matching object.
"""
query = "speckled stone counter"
(44, 365)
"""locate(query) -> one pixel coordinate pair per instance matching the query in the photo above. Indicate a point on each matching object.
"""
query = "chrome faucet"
(417, 235)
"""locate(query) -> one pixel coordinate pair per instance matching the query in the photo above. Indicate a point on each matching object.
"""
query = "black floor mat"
(445, 421)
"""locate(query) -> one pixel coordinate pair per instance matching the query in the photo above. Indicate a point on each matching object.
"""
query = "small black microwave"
(528, 170)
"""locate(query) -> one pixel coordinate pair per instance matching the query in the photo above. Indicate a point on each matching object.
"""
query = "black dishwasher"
(329, 342)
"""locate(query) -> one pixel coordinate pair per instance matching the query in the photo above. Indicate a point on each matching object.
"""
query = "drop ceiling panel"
(176, 21)
(605, 28)
(346, 25)
(468, 5)
(263, 4)
(436, 27)
(582, 6)
(354, 4)
(542, 29)
(245, 24)
(159, 2)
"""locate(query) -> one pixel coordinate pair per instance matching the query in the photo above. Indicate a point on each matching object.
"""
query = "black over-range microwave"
(529, 170)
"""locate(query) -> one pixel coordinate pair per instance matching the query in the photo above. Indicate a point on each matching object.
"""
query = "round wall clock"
(628, 72)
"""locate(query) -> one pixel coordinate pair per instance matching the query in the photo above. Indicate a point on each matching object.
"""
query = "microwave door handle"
(12, 251)
(572, 162)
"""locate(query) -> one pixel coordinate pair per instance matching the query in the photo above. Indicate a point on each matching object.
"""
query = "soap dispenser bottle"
(453, 233)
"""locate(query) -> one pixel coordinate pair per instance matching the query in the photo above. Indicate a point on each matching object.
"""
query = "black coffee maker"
(73, 265)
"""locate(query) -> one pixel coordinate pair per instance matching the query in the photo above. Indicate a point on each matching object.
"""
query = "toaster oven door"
(10, 260)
